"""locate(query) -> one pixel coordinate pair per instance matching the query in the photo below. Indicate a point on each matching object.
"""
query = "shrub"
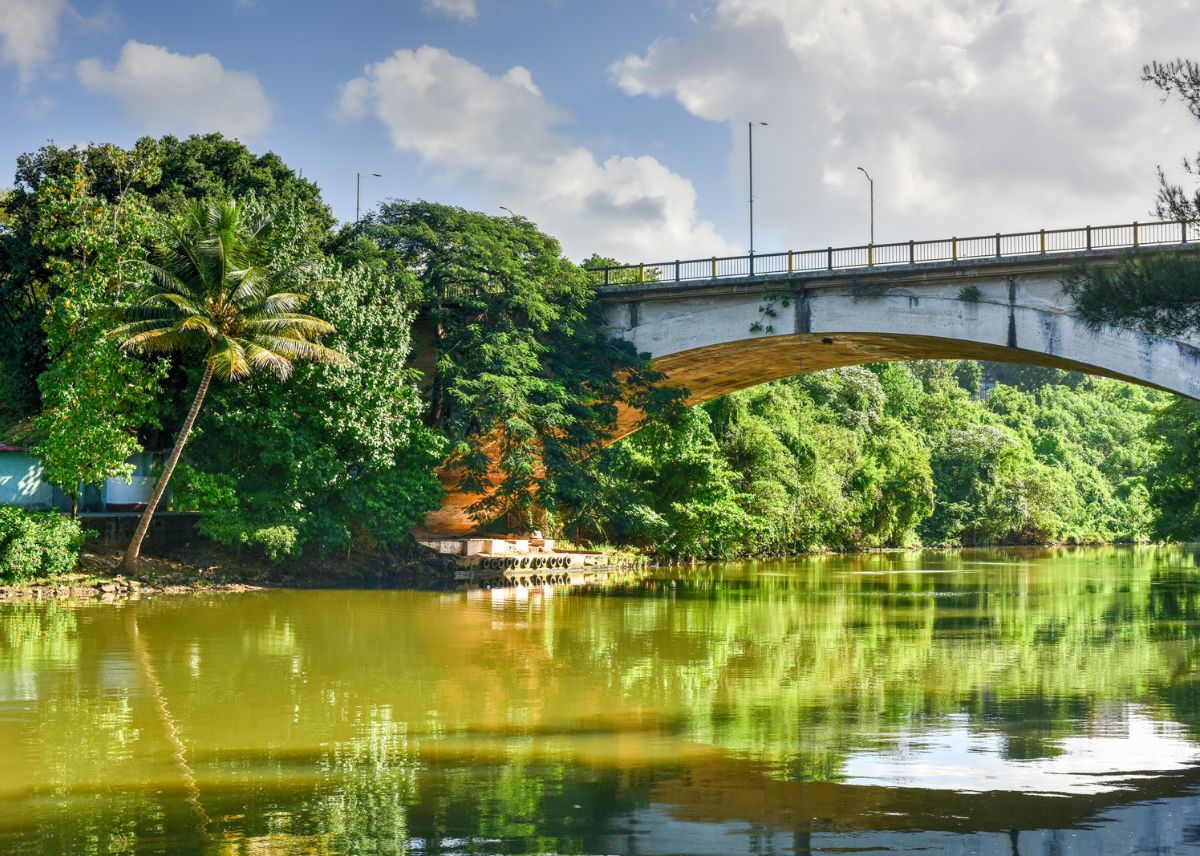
(36, 545)
(234, 529)
(277, 542)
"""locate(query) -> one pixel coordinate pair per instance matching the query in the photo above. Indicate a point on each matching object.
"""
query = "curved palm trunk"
(134, 550)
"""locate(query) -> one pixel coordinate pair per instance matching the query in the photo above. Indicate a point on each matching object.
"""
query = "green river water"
(989, 701)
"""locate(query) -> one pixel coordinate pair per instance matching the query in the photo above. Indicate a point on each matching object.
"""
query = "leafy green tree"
(94, 397)
(667, 489)
(212, 288)
(978, 475)
(161, 174)
(901, 388)
(211, 166)
(521, 374)
(335, 456)
(1174, 480)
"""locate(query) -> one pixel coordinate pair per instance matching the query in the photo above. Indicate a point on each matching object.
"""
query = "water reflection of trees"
(340, 722)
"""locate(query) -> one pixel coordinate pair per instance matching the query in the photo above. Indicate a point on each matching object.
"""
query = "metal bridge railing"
(997, 246)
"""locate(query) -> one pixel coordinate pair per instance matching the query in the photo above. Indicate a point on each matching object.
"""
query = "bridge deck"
(1042, 249)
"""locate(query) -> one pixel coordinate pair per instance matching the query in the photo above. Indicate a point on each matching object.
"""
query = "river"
(1032, 701)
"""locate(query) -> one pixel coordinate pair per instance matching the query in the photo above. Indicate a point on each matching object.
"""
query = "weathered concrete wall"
(168, 529)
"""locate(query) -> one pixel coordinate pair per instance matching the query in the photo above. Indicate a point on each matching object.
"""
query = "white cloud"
(464, 10)
(173, 93)
(500, 133)
(972, 116)
(28, 32)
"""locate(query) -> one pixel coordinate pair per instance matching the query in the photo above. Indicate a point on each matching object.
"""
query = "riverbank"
(209, 567)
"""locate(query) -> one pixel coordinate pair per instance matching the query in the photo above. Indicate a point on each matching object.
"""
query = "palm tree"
(212, 289)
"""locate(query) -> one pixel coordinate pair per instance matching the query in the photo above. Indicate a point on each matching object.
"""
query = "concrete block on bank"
(493, 546)
(448, 546)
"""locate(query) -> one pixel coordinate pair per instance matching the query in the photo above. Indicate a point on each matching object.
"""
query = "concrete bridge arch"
(718, 336)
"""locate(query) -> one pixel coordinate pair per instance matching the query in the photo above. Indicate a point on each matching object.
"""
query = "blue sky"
(620, 126)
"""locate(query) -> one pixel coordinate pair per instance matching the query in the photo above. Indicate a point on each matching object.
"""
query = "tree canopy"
(479, 356)
(520, 373)
(887, 455)
(342, 452)
(215, 287)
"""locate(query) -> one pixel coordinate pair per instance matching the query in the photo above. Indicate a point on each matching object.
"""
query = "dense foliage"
(94, 396)
(36, 545)
(155, 174)
(479, 358)
(523, 379)
(334, 454)
(1174, 477)
(217, 290)
(327, 456)
(885, 455)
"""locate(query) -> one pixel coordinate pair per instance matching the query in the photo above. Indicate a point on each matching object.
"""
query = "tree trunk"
(133, 551)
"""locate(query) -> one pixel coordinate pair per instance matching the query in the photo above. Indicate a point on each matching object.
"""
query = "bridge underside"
(720, 369)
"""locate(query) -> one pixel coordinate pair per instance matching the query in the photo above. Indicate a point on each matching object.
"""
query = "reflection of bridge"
(717, 325)
(721, 324)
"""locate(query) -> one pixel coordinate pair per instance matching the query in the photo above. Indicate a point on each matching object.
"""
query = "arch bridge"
(721, 324)
(717, 325)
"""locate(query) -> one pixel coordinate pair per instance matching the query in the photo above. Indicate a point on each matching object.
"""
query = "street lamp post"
(871, 181)
(358, 194)
(750, 133)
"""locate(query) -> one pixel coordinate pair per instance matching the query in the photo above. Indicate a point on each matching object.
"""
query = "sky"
(620, 126)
